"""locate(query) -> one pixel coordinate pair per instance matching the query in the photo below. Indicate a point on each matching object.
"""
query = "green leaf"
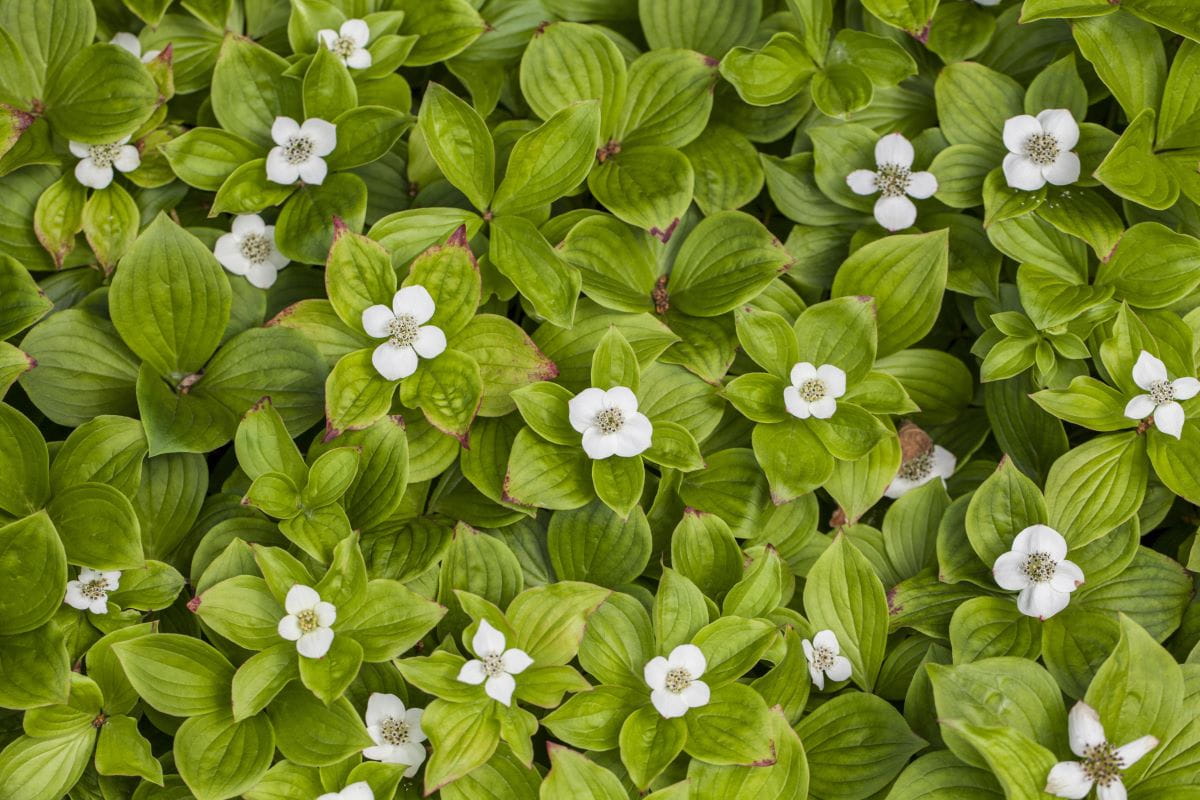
(250, 89)
(309, 733)
(44, 769)
(328, 676)
(573, 775)
(327, 89)
(463, 736)
(522, 254)
(732, 728)
(36, 668)
(1096, 487)
(313, 215)
(101, 94)
(725, 261)
(98, 527)
(176, 674)
(122, 750)
(451, 275)
(206, 157)
(1132, 170)
(647, 186)
(566, 62)
(595, 544)
(1003, 506)
(772, 74)
(550, 161)
(220, 758)
(24, 461)
(1019, 764)
(549, 620)
(649, 742)
(1105, 39)
(669, 98)
(618, 482)
(460, 143)
(110, 224)
(445, 28)
(356, 395)
(682, 23)
(973, 103)
(1152, 266)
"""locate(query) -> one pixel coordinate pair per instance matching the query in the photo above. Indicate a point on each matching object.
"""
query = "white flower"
(824, 659)
(349, 43)
(307, 621)
(1039, 149)
(403, 325)
(1037, 566)
(249, 250)
(814, 390)
(1150, 374)
(127, 41)
(301, 150)
(895, 181)
(96, 161)
(1102, 762)
(494, 666)
(360, 790)
(396, 732)
(920, 470)
(674, 681)
(90, 592)
(610, 422)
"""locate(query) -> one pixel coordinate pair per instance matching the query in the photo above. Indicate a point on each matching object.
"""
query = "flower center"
(103, 155)
(403, 330)
(1162, 392)
(256, 248)
(298, 149)
(1042, 149)
(307, 620)
(343, 46)
(822, 658)
(394, 731)
(94, 590)
(892, 180)
(677, 680)
(812, 390)
(609, 420)
(492, 665)
(1039, 567)
(918, 467)
(1102, 763)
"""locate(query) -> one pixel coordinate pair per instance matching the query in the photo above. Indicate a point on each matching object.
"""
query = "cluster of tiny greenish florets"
(1102, 763)
(1042, 148)
(103, 155)
(812, 390)
(402, 330)
(1039, 567)
(892, 180)
(678, 679)
(343, 46)
(610, 420)
(394, 731)
(307, 620)
(493, 665)
(917, 467)
(822, 658)
(1162, 392)
(298, 149)
(94, 590)
(256, 248)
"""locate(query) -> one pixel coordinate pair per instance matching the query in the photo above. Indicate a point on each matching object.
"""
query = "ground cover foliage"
(561, 399)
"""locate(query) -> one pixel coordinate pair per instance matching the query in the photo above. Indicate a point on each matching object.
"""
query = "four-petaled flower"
(129, 42)
(396, 732)
(895, 181)
(90, 591)
(349, 43)
(494, 665)
(1037, 566)
(610, 422)
(249, 250)
(1039, 149)
(824, 658)
(403, 325)
(935, 462)
(674, 681)
(360, 790)
(1102, 762)
(814, 390)
(308, 621)
(301, 150)
(96, 161)
(1150, 373)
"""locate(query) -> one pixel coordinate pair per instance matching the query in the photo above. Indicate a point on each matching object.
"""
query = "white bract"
(396, 732)
(895, 181)
(1102, 762)
(349, 43)
(494, 666)
(674, 681)
(90, 591)
(1150, 373)
(919, 470)
(824, 658)
(301, 150)
(610, 422)
(814, 390)
(408, 337)
(96, 161)
(1037, 566)
(308, 621)
(249, 250)
(127, 41)
(360, 790)
(1039, 149)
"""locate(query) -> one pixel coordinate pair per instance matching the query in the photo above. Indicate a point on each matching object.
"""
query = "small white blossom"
(308, 621)
(610, 422)
(396, 732)
(494, 666)
(361, 790)
(1150, 373)
(824, 658)
(408, 337)
(249, 250)
(674, 681)
(919, 470)
(300, 151)
(1039, 149)
(96, 161)
(895, 181)
(129, 42)
(90, 591)
(349, 43)
(1037, 567)
(814, 390)
(1102, 762)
